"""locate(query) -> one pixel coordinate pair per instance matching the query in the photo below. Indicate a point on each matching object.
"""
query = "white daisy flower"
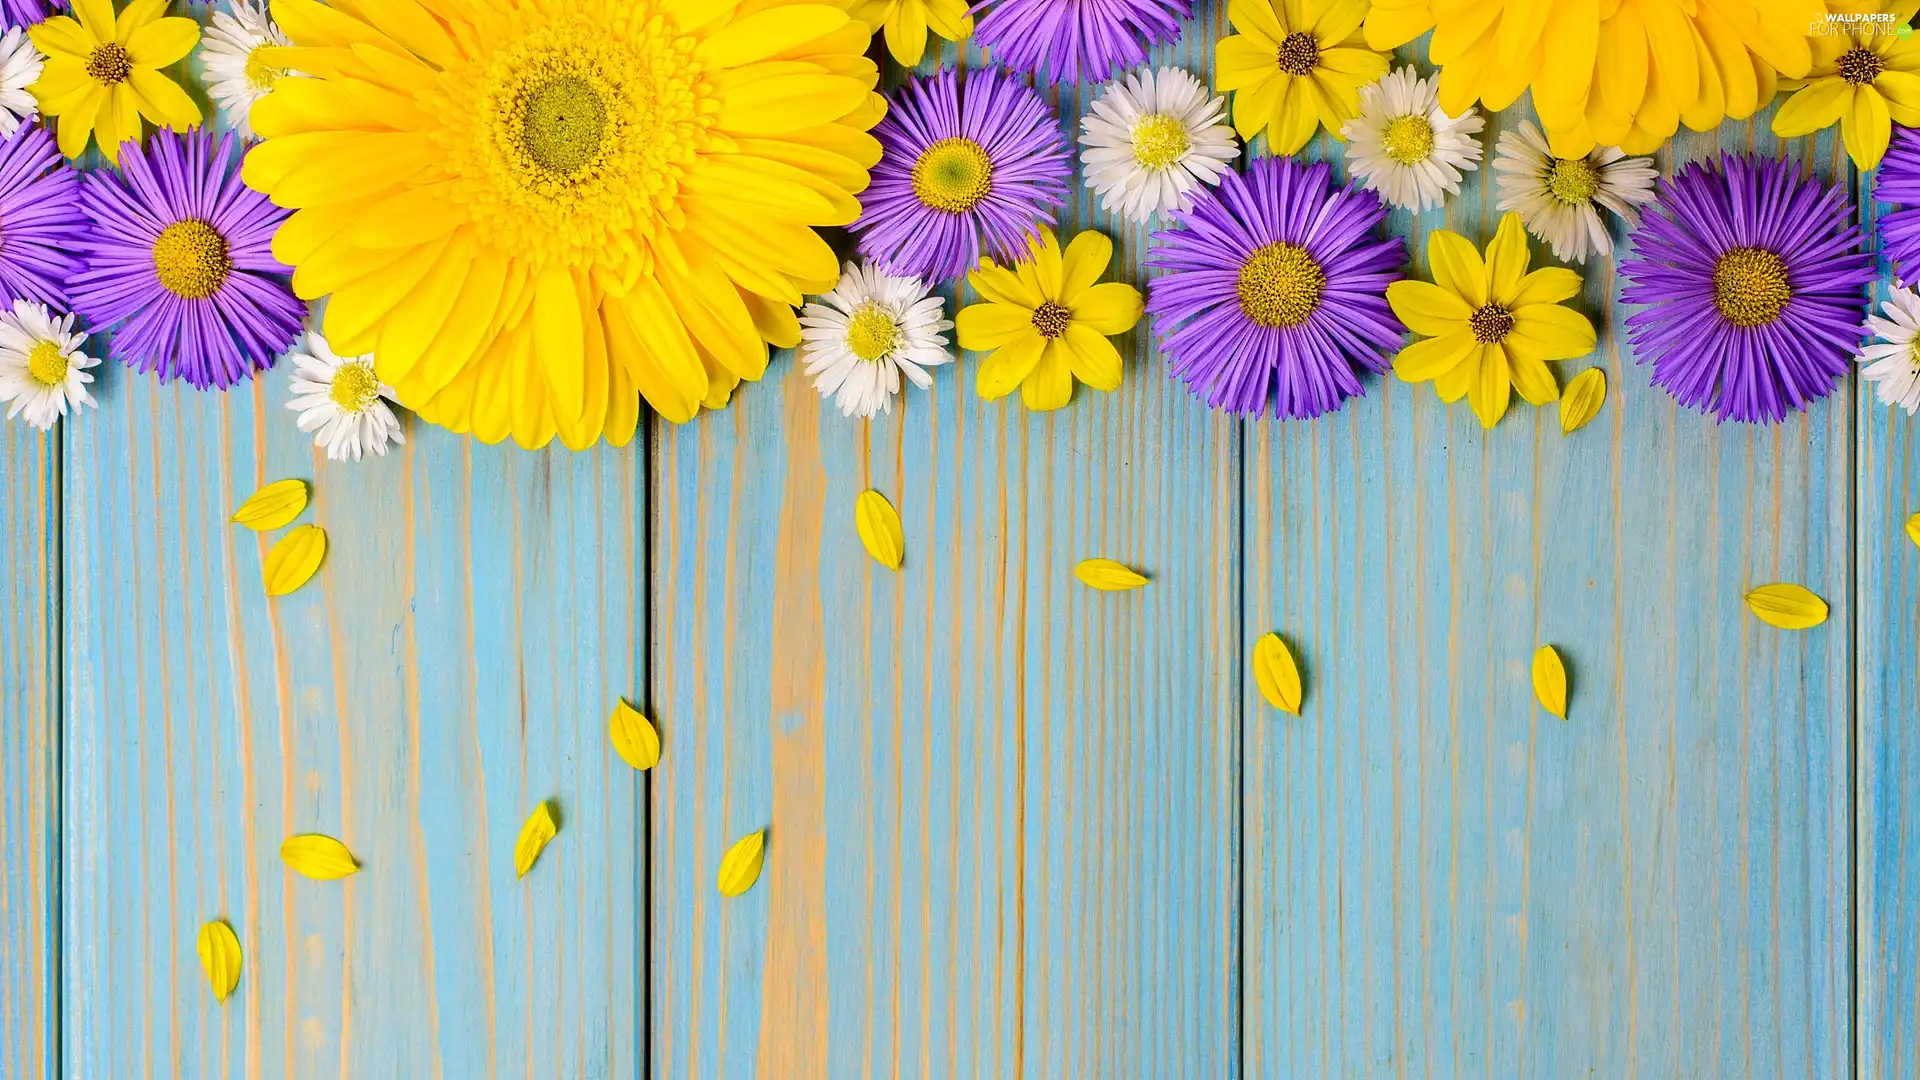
(1151, 141)
(1893, 362)
(20, 65)
(1559, 199)
(341, 401)
(1405, 146)
(235, 78)
(42, 369)
(856, 340)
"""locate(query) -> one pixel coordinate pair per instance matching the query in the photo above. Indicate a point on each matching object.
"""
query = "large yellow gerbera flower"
(1491, 51)
(534, 212)
(1865, 77)
(103, 73)
(906, 23)
(1295, 66)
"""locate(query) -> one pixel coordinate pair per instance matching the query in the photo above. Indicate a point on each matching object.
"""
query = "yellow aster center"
(109, 64)
(1408, 139)
(1299, 54)
(1159, 140)
(872, 333)
(191, 259)
(354, 387)
(260, 74)
(1572, 181)
(46, 364)
(953, 175)
(1491, 324)
(1860, 66)
(1280, 285)
(1051, 319)
(1750, 286)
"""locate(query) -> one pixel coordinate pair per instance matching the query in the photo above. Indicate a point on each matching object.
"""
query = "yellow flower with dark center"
(1490, 325)
(906, 23)
(532, 213)
(1865, 77)
(103, 73)
(1295, 66)
(1046, 322)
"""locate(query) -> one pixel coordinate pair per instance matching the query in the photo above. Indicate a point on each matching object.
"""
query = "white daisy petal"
(235, 80)
(42, 370)
(1892, 364)
(1150, 140)
(857, 338)
(341, 401)
(20, 65)
(1560, 199)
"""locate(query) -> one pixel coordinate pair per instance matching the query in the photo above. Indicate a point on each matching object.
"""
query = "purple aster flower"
(1899, 183)
(40, 222)
(1277, 290)
(1065, 40)
(961, 166)
(1757, 284)
(28, 12)
(180, 264)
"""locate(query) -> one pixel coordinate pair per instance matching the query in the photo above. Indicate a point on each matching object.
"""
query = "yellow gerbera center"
(109, 64)
(953, 175)
(562, 126)
(191, 259)
(354, 387)
(1860, 66)
(260, 74)
(1159, 140)
(1491, 324)
(1280, 285)
(1051, 319)
(1299, 53)
(1750, 286)
(1572, 181)
(872, 332)
(1408, 139)
(46, 364)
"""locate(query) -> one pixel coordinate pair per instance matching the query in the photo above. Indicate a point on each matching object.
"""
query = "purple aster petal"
(41, 226)
(1068, 40)
(1899, 183)
(28, 12)
(1221, 353)
(1747, 373)
(217, 341)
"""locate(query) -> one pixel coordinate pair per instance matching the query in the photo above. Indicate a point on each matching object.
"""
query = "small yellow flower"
(1047, 323)
(1295, 66)
(1865, 77)
(103, 74)
(906, 23)
(1490, 326)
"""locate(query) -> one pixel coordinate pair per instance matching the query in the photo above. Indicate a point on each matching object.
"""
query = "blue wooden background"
(1018, 828)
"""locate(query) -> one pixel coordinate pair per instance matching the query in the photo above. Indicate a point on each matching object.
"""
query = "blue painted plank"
(29, 750)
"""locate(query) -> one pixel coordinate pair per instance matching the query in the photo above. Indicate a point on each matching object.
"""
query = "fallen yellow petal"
(220, 958)
(1108, 576)
(1787, 606)
(1276, 673)
(1580, 402)
(321, 858)
(880, 531)
(293, 559)
(534, 836)
(740, 867)
(1550, 680)
(634, 737)
(1913, 529)
(272, 506)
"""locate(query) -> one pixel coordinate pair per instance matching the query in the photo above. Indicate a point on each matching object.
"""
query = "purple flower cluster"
(1899, 183)
(1073, 39)
(28, 12)
(40, 222)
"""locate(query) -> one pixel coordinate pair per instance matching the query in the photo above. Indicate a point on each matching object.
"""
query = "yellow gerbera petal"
(1050, 386)
(1427, 308)
(906, 31)
(1815, 106)
(97, 17)
(162, 101)
(1259, 19)
(1086, 258)
(1547, 285)
(1431, 358)
(1532, 378)
(1507, 259)
(162, 41)
(1551, 332)
(1492, 390)
(1111, 307)
(982, 327)
(1866, 128)
(1092, 358)
(1241, 62)
(1457, 266)
(1009, 366)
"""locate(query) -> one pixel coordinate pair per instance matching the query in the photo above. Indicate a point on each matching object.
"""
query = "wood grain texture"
(29, 751)
(1445, 881)
(453, 663)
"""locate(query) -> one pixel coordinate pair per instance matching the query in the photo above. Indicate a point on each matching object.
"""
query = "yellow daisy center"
(953, 175)
(1408, 139)
(109, 64)
(1299, 53)
(1051, 319)
(1750, 286)
(354, 387)
(1159, 140)
(1859, 66)
(191, 259)
(46, 364)
(872, 333)
(1491, 324)
(1280, 285)
(261, 75)
(1572, 181)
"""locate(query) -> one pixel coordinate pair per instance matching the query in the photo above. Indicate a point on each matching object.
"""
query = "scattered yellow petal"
(1108, 576)
(1580, 402)
(220, 958)
(321, 858)
(880, 532)
(272, 506)
(1276, 673)
(740, 868)
(1787, 606)
(634, 737)
(534, 836)
(294, 558)
(1550, 681)
(1913, 529)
